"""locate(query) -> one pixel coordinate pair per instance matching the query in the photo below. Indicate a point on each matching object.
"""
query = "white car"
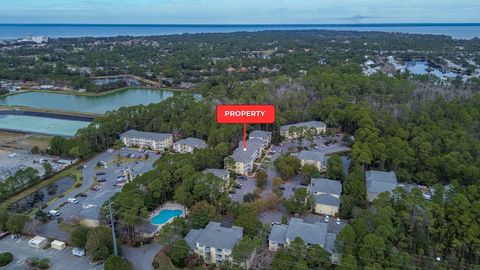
(72, 200)
(327, 219)
(78, 252)
(54, 213)
(338, 221)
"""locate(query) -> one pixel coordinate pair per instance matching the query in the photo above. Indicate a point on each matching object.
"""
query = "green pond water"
(41, 125)
(88, 104)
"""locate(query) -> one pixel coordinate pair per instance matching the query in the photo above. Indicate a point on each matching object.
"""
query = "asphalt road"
(141, 257)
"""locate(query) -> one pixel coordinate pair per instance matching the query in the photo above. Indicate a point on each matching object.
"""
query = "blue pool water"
(165, 215)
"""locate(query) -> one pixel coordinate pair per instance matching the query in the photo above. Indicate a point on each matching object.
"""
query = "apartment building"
(215, 242)
(147, 140)
(293, 131)
(187, 145)
(327, 195)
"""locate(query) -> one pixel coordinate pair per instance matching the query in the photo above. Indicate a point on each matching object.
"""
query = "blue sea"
(12, 31)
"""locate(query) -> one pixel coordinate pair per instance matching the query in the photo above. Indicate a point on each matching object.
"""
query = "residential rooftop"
(133, 133)
(220, 173)
(328, 186)
(260, 134)
(310, 233)
(215, 235)
(246, 156)
(327, 199)
(311, 155)
(378, 181)
(193, 142)
(309, 124)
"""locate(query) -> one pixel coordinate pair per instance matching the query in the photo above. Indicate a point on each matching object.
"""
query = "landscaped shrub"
(5, 258)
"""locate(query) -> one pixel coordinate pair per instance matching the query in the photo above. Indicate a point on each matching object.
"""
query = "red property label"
(245, 114)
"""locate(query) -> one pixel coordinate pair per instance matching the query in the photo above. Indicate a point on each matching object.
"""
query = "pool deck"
(169, 206)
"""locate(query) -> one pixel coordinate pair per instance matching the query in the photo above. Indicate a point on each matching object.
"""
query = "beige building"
(222, 174)
(187, 145)
(314, 158)
(214, 243)
(243, 159)
(327, 195)
(287, 131)
(147, 140)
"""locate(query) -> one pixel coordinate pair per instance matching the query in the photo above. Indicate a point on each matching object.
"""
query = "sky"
(239, 11)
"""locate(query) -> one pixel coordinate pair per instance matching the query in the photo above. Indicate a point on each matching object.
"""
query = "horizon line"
(246, 24)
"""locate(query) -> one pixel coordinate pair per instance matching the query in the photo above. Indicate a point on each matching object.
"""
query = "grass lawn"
(72, 171)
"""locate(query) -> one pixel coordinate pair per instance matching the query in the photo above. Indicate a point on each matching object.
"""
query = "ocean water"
(11, 31)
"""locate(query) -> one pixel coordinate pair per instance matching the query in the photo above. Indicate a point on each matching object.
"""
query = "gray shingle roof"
(260, 134)
(310, 124)
(327, 199)
(192, 142)
(220, 173)
(246, 156)
(132, 133)
(310, 233)
(330, 243)
(378, 181)
(215, 235)
(322, 185)
(278, 233)
(311, 155)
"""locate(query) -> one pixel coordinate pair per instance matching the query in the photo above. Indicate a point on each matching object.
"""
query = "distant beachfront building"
(378, 182)
(214, 243)
(318, 126)
(147, 140)
(187, 145)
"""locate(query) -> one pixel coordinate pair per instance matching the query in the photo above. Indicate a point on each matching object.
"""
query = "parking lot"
(247, 186)
(12, 161)
(59, 259)
(89, 206)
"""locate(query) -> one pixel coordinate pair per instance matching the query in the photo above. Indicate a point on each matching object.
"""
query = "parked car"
(101, 180)
(72, 200)
(282, 188)
(327, 219)
(100, 173)
(54, 213)
(338, 221)
(238, 186)
(78, 252)
(96, 187)
(232, 192)
(242, 178)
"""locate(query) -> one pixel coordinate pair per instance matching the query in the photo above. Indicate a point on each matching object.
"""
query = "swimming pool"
(165, 215)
